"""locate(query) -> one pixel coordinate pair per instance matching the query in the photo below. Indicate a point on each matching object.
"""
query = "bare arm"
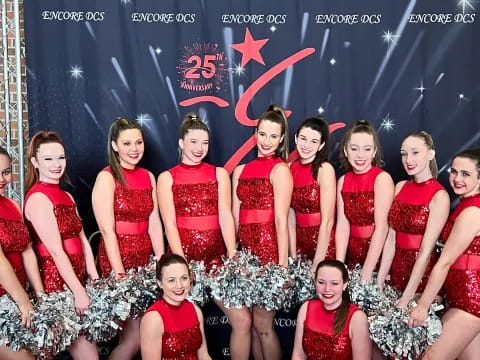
(235, 200)
(383, 190)
(359, 335)
(202, 352)
(282, 181)
(151, 332)
(225, 216)
(298, 353)
(326, 180)
(439, 208)
(167, 209)
(30, 264)
(155, 224)
(292, 233)
(342, 230)
(102, 201)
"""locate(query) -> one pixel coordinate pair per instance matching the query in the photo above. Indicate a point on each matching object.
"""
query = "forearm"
(375, 249)
(324, 236)
(66, 271)
(341, 242)
(228, 232)
(113, 252)
(31, 269)
(388, 254)
(89, 259)
(435, 282)
(156, 237)
(174, 241)
(417, 274)
(11, 284)
(281, 228)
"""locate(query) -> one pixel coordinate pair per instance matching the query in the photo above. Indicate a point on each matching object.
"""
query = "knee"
(262, 326)
(242, 323)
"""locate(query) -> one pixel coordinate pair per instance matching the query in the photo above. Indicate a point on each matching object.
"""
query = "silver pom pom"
(274, 287)
(199, 293)
(304, 284)
(12, 333)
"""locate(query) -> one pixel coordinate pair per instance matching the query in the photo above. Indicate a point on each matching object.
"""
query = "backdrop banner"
(404, 65)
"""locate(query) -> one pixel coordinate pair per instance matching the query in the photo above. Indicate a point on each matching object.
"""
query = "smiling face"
(360, 151)
(309, 142)
(130, 147)
(464, 177)
(269, 136)
(330, 286)
(175, 283)
(5, 172)
(416, 157)
(194, 146)
(50, 161)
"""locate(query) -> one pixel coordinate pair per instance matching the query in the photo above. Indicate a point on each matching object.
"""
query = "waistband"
(308, 219)
(129, 228)
(208, 222)
(252, 216)
(408, 241)
(467, 262)
(362, 231)
(72, 246)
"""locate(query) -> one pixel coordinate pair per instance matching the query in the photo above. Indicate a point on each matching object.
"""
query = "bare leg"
(256, 346)
(241, 323)
(263, 323)
(459, 329)
(128, 342)
(7, 354)
(82, 349)
(472, 352)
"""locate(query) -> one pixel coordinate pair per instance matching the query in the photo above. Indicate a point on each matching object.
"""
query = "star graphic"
(387, 123)
(76, 72)
(321, 110)
(158, 51)
(389, 37)
(462, 97)
(144, 119)
(332, 61)
(420, 88)
(464, 4)
(250, 49)
(238, 70)
(273, 28)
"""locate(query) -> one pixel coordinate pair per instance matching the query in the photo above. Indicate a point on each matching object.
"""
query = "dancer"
(330, 327)
(312, 210)
(125, 207)
(195, 203)
(64, 254)
(364, 197)
(458, 267)
(416, 218)
(262, 191)
(17, 259)
(172, 328)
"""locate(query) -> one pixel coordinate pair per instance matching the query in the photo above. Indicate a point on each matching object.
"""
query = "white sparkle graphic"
(238, 70)
(332, 61)
(76, 72)
(462, 97)
(158, 51)
(389, 37)
(273, 28)
(125, 2)
(321, 110)
(465, 4)
(387, 123)
(421, 88)
(144, 119)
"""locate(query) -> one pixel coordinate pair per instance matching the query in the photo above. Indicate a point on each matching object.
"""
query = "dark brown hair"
(191, 121)
(166, 260)
(472, 154)
(342, 312)
(427, 138)
(3, 151)
(360, 126)
(118, 125)
(276, 114)
(41, 137)
(320, 125)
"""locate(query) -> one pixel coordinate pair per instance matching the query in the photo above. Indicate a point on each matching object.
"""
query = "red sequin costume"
(256, 230)
(195, 196)
(408, 216)
(319, 340)
(359, 200)
(14, 238)
(69, 226)
(306, 203)
(462, 285)
(132, 206)
(181, 330)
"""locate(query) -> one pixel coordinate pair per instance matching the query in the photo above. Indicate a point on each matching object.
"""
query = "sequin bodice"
(181, 335)
(410, 209)
(306, 191)
(359, 198)
(195, 190)
(319, 340)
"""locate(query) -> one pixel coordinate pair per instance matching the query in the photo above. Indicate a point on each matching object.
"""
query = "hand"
(233, 254)
(313, 268)
(367, 277)
(403, 302)
(82, 301)
(381, 284)
(93, 274)
(418, 315)
(26, 311)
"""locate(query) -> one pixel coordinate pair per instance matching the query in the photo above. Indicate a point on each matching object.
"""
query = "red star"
(250, 49)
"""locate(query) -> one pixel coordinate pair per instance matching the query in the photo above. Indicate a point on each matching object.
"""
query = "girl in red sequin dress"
(262, 190)
(17, 259)
(330, 327)
(172, 328)
(312, 212)
(195, 203)
(125, 207)
(64, 254)
(458, 268)
(364, 197)
(416, 219)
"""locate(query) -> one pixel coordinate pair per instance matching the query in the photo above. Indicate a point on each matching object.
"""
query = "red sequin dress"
(14, 238)
(306, 203)
(256, 230)
(359, 200)
(69, 226)
(132, 206)
(195, 196)
(408, 216)
(181, 330)
(319, 340)
(462, 285)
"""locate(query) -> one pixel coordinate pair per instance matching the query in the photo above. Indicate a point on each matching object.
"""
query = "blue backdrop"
(404, 65)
